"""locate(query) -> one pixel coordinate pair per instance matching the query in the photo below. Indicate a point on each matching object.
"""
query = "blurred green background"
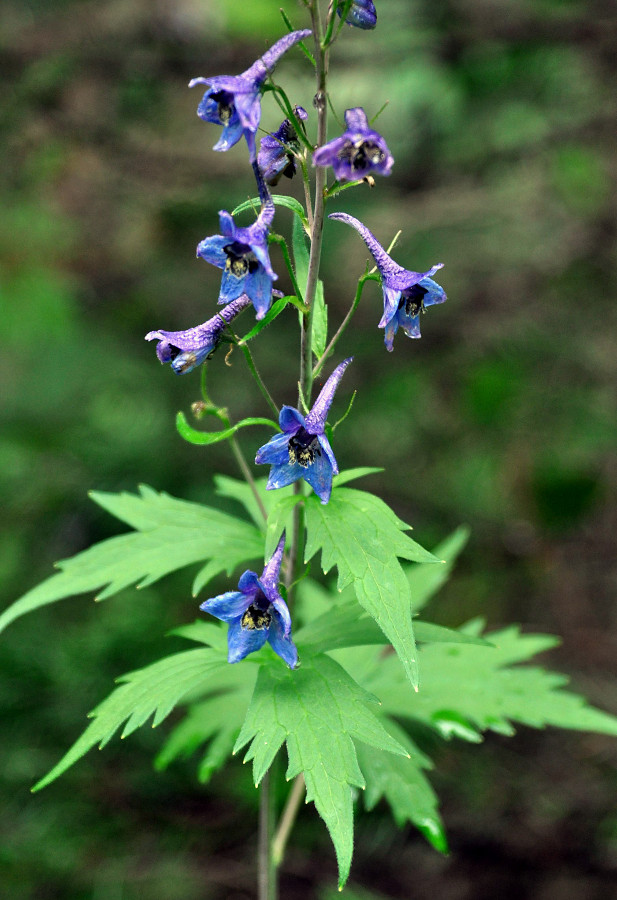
(501, 117)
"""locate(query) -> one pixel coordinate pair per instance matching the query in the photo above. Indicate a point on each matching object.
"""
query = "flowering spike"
(303, 450)
(406, 294)
(357, 152)
(256, 613)
(234, 101)
(187, 349)
(362, 13)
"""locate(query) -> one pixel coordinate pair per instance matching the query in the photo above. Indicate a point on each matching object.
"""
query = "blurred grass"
(501, 118)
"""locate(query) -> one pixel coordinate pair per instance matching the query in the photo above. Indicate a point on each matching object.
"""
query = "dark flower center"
(363, 155)
(225, 107)
(303, 448)
(255, 618)
(241, 260)
(413, 300)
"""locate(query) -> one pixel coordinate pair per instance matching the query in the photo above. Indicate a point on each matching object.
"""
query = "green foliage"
(466, 689)
(402, 783)
(319, 711)
(154, 690)
(359, 533)
(169, 534)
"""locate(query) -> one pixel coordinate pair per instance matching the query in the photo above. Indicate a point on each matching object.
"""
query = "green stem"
(287, 819)
(320, 102)
(243, 465)
(260, 383)
(344, 323)
(267, 888)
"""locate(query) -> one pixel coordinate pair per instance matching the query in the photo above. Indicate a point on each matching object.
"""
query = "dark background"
(501, 118)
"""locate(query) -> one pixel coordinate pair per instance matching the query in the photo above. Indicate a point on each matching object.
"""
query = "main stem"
(321, 104)
(267, 863)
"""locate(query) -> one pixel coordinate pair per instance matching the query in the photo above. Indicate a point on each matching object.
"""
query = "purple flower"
(357, 152)
(303, 450)
(256, 613)
(187, 349)
(405, 294)
(277, 150)
(362, 13)
(234, 101)
(242, 254)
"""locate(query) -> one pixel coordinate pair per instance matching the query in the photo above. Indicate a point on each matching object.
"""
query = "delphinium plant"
(329, 668)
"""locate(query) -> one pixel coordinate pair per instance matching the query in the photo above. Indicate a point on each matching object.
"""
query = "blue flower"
(234, 101)
(362, 13)
(277, 151)
(187, 349)
(256, 613)
(242, 254)
(357, 152)
(303, 450)
(406, 294)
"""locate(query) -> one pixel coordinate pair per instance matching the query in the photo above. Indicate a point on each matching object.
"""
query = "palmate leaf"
(359, 533)
(402, 783)
(217, 722)
(319, 711)
(154, 690)
(169, 534)
(345, 625)
(468, 689)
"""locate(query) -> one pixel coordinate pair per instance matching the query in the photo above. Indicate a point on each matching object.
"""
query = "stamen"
(303, 448)
(413, 300)
(240, 260)
(225, 107)
(362, 155)
(255, 619)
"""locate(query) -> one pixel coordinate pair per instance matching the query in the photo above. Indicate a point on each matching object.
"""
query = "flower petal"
(227, 606)
(211, 249)
(258, 286)
(231, 134)
(282, 644)
(434, 292)
(391, 298)
(290, 419)
(284, 474)
(275, 452)
(325, 446)
(242, 641)
(319, 476)
(249, 584)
